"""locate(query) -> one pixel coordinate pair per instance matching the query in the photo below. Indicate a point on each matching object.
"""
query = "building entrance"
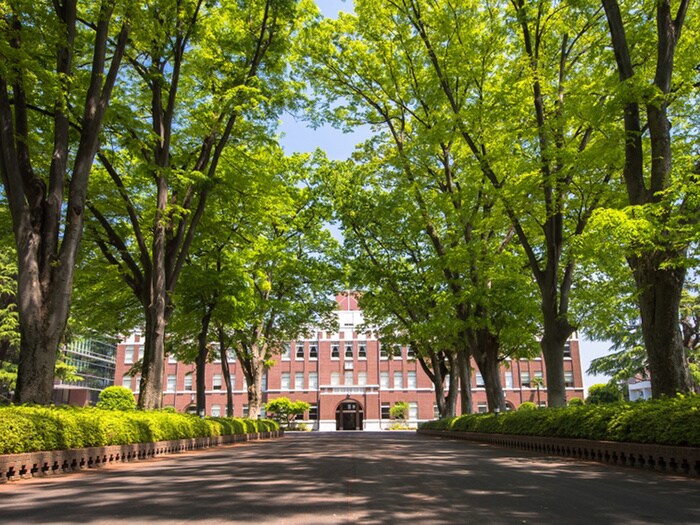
(348, 416)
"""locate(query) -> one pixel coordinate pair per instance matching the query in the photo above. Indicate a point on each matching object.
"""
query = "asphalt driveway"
(354, 477)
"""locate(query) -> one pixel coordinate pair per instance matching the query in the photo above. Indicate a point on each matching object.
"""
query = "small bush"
(116, 398)
(527, 405)
(575, 401)
(603, 394)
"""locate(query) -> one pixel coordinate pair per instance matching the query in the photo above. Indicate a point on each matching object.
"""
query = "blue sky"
(298, 137)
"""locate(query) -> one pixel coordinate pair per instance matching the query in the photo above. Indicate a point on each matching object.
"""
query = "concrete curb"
(47, 463)
(662, 458)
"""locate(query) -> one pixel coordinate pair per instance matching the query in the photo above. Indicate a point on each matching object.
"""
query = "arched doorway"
(349, 415)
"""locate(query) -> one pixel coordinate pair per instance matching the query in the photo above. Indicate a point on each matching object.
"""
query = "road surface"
(354, 477)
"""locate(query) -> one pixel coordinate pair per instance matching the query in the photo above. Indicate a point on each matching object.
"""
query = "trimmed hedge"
(35, 428)
(673, 421)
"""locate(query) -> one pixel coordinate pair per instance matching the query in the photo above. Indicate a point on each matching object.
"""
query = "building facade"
(348, 377)
(95, 362)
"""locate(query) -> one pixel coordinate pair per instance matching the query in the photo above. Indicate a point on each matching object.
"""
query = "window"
(335, 378)
(396, 351)
(479, 379)
(413, 411)
(569, 379)
(284, 381)
(126, 382)
(348, 379)
(286, 352)
(216, 411)
(447, 383)
(300, 351)
(171, 383)
(436, 411)
(335, 350)
(525, 379)
(509, 379)
(129, 354)
(384, 379)
(362, 378)
(264, 382)
(537, 374)
(412, 381)
(313, 351)
(313, 412)
(245, 383)
(216, 382)
(398, 380)
(481, 408)
(172, 359)
(313, 381)
(567, 349)
(386, 409)
(188, 381)
(348, 349)
(383, 352)
(362, 351)
(231, 357)
(410, 352)
(246, 411)
(136, 383)
(233, 382)
(299, 380)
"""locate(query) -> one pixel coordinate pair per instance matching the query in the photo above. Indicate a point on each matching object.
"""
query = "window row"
(527, 380)
(188, 382)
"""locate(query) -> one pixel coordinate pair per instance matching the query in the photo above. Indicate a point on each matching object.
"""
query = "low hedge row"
(34, 428)
(673, 421)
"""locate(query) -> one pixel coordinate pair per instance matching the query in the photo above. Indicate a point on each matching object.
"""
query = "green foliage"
(575, 402)
(399, 411)
(603, 394)
(527, 405)
(284, 411)
(32, 428)
(673, 421)
(116, 398)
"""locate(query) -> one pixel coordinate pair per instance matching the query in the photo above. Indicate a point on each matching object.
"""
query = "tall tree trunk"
(437, 372)
(659, 304)
(486, 352)
(463, 378)
(255, 399)
(556, 334)
(201, 361)
(225, 371)
(151, 386)
(451, 399)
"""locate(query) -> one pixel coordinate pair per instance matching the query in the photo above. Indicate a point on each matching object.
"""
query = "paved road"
(373, 478)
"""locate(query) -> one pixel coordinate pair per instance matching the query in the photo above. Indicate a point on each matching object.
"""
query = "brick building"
(349, 378)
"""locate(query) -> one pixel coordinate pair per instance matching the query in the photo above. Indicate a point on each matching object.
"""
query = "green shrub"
(674, 421)
(116, 398)
(399, 411)
(527, 405)
(30, 428)
(575, 401)
(603, 394)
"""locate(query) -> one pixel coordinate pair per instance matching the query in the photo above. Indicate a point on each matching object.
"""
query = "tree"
(603, 394)
(369, 79)
(207, 75)
(656, 179)
(60, 63)
(399, 411)
(261, 268)
(285, 411)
